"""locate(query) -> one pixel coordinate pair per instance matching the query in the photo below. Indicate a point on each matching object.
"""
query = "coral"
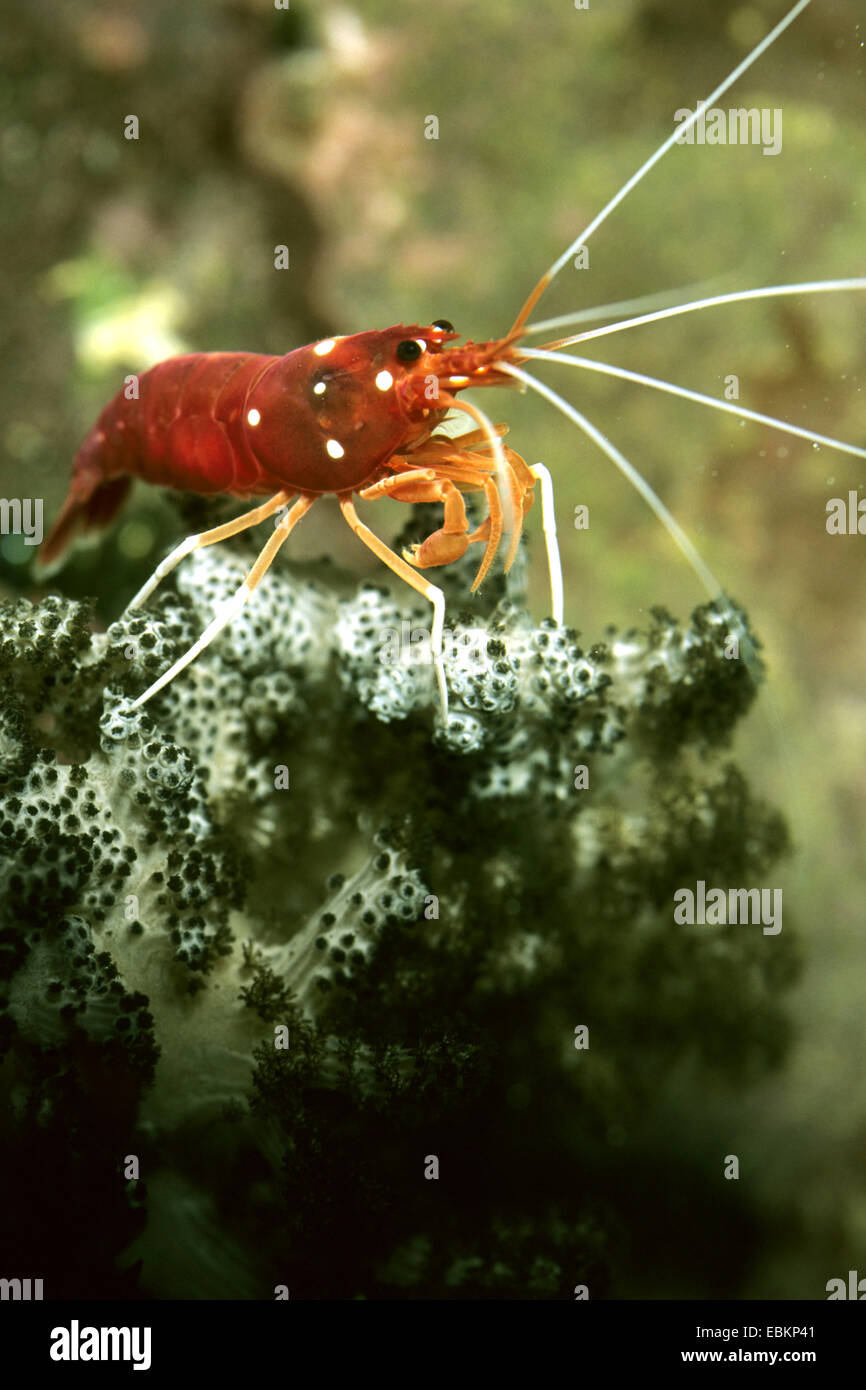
(289, 841)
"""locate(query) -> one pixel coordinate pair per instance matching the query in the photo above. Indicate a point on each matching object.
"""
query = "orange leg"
(428, 485)
(517, 511)
(218, 533)
(456, 464)
(460, 448)
(480, 472)
(412, 578)
(492, 434)
(385, 485)
(490, 530)
(241, 596)
(450, 541)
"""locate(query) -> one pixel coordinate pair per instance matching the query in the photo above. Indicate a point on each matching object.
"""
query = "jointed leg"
(450, 541)
(385, 486)
(489, 530)
(492, 434)
(443, 448)
(548, 524)
(217, 533)
(411, 577)
(434, 485)
(394, 483)
(233, 605)
(421, 485)
(516, 495)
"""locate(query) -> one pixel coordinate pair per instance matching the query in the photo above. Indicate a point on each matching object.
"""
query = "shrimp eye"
(444, 325)
(409, 350)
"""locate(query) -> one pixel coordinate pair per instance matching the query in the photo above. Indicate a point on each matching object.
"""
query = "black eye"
(409, 350)
(444, 325)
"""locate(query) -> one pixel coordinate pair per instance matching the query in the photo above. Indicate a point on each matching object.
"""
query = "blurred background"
(305, 127)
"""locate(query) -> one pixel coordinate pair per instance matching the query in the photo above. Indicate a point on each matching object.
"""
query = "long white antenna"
(675, 137)
(637, 480)
(671, 389)
(668, 520)
(672, 311)
(662, 299)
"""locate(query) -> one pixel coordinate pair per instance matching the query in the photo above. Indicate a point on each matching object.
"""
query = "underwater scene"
(443, 881)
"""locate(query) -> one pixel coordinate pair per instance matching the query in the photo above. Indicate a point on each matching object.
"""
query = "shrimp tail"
(91, 503)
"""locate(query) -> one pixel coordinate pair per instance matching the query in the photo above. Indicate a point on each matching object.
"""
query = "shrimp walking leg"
(548, 526)
(217, 533)
(233, 606)
(405, 572)
(447, 544)
(489, 530)
(450, 541)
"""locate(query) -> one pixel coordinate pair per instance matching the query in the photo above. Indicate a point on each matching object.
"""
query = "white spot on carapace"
(325, 346)
(335, 448)
(421, 343)
(253, 417)
(319, 388)
(384, 381)
(458, 380)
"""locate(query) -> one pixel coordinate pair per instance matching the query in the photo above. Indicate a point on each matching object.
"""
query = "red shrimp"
(359, 414)
(344, 415)
(323, 419)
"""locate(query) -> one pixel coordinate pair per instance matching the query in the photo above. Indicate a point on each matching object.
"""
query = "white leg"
(437, 598)
(217, 533)
(163, 568)
(241, 596)
(548, 522)
(228, 611)
(416, 581)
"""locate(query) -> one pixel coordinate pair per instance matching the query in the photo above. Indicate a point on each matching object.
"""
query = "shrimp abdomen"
(178, 425)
